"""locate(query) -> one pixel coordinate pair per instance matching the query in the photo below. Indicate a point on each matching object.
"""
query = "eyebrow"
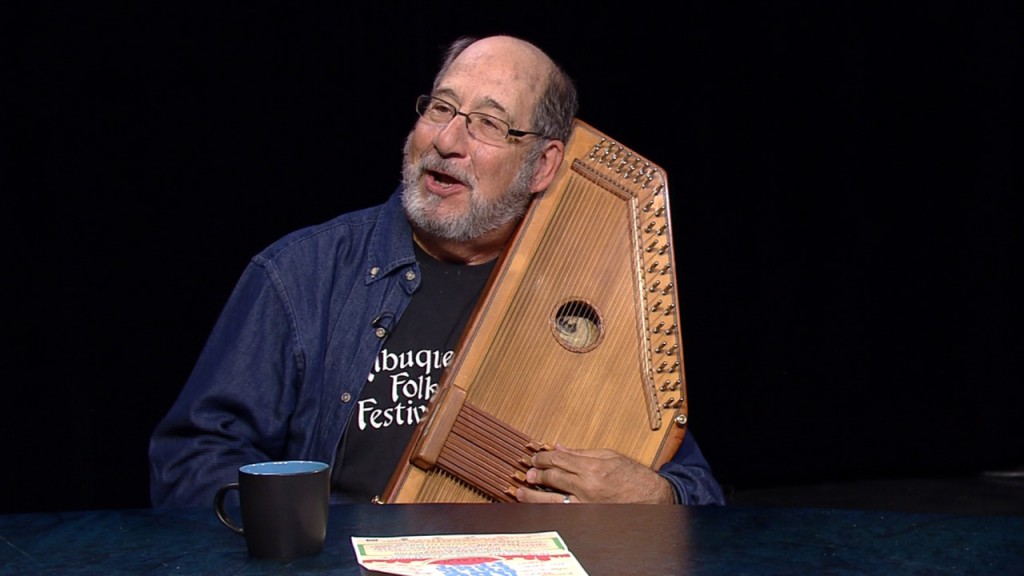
(489, 104)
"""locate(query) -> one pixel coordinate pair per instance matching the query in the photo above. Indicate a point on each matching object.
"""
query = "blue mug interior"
(284, 467)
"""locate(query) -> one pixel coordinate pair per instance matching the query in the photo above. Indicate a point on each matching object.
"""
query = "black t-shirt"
(405, 376)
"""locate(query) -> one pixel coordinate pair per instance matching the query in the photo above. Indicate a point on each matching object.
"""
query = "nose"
(453, 137)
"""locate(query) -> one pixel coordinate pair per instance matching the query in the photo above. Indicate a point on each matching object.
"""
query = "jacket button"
(346, 397)
(380, 332)
(410, 275)
(374, 271)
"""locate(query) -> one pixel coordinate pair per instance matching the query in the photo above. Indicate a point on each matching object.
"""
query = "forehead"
(496, 75)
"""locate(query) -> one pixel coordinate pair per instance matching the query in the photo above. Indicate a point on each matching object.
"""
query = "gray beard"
(483, 216)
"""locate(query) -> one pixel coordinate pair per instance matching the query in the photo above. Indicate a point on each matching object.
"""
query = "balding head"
(524, 68)
(507, 60)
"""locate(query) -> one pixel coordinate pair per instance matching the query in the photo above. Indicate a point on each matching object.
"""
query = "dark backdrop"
(845, 188)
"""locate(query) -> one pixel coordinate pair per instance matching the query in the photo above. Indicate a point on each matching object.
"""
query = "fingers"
(593, 476)
(529, 495)
(567, 471)
(566, 458)
(553, 477)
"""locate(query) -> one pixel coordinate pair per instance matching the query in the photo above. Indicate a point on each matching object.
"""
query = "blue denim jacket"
(285, 362)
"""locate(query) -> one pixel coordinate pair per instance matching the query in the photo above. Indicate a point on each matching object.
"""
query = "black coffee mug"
(284, 507)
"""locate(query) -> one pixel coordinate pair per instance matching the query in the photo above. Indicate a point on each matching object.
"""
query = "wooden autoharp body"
(576, 339)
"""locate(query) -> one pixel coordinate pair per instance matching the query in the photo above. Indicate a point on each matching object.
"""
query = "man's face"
(457, 187)
(469, 213)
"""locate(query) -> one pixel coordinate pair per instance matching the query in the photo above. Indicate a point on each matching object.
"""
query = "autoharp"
(575, 340)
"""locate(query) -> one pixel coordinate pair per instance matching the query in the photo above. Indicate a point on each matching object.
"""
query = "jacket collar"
(391, 243)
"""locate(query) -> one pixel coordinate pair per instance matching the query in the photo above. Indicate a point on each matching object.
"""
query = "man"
(387, 291)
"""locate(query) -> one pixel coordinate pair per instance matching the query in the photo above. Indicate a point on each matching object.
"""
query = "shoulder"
(355, 232)
(338, 229)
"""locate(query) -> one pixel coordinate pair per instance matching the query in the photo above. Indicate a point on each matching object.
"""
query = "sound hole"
(577, 326)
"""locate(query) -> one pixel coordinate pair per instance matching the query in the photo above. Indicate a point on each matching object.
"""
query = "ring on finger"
(566, 499)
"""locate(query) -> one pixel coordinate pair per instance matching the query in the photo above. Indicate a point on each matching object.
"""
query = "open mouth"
(439, 182)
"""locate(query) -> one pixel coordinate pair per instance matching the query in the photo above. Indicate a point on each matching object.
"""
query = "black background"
(845, 184)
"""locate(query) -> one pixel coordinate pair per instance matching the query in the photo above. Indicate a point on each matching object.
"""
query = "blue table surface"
(607, 539)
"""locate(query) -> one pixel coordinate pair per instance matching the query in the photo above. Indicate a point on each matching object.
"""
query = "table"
(608, 540)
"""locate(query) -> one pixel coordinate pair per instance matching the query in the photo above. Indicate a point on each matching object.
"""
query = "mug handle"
(218, 507)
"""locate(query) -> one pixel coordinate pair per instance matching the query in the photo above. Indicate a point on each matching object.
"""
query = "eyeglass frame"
(509, 130)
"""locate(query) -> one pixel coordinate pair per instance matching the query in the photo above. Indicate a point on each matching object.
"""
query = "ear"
(547, 165)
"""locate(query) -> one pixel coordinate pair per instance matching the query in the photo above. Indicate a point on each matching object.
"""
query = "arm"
(235, 407)
(690, 475)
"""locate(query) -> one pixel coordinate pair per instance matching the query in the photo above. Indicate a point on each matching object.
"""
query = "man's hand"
(593, 476)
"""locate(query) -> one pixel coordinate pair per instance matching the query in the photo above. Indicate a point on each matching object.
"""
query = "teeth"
(443, 181)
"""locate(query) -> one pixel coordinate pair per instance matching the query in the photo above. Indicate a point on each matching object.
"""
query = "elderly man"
(298, 365)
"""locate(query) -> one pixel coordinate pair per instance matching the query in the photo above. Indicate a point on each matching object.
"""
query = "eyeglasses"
(483, 127)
